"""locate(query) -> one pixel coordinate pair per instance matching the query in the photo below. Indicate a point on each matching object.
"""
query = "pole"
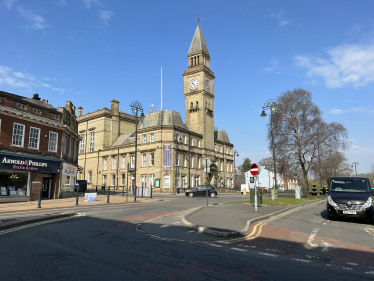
(108, 194)
(319, 163)
(40, 198)
(234, 171)
(76, 201)
(272, 143)
(255, 197)
(207, 180)
(136, 147)
(97, 172)
(127, 185)
(117, 170)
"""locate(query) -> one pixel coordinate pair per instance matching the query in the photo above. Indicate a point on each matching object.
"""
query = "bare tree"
(300, 134)
(265, 161)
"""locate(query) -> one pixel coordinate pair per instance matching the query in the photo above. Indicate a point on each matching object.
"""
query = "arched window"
(191, 105)
(166, 181)
(197, 104)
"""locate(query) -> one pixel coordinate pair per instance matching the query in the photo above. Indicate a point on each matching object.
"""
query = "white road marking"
(254, 246)
(343, 267)
(271, 250)
(301, 260)
(215, 245)
(267, 254)
(223, 242)
(238, 249)
(177, 222)
(369, 272)
(191, 231)
(352, 263)
(325, 246)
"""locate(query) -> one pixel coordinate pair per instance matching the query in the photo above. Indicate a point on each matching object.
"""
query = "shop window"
(143, 181)
(166, 181)
(105, 164)
(152, 180)
(18, 134)
(152, 137)
(34, 138)
(122, 179)
(113, 180)
(14, 183)
(89, 177)
(152, 159)
(52, 144)
(81, 145)
(92, 141)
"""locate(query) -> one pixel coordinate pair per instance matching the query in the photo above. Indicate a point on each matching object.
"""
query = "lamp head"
(263, 114)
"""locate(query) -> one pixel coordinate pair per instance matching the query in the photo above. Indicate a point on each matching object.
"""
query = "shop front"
(69, 177)
(21, 177)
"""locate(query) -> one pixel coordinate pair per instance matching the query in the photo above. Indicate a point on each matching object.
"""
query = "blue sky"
(92, 51)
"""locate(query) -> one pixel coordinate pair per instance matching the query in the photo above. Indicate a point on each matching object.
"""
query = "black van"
(82, 186)
(350, 197)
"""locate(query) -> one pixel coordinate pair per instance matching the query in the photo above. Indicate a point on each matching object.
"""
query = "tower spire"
(198, 43)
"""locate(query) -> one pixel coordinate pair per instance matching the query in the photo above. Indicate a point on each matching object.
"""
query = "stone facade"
(169, 152)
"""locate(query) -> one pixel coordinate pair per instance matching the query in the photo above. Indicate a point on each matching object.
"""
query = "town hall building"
(169, 153)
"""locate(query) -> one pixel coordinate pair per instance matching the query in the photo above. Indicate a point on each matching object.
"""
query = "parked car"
(350, 197)
(201, 191)
(82, 186)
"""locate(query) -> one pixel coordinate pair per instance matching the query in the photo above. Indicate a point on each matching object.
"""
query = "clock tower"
(199, 90)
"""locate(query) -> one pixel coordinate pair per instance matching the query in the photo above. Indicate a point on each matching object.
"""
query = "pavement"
(230, 219)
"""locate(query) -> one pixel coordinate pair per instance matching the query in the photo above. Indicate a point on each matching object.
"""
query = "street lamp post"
(355, 164)
(272, 105)
(235, 154)
(136, 107)
(268, 166)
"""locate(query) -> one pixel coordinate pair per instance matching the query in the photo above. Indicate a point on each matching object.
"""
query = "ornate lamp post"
(136, 107)
(235, 154)
(272, 105)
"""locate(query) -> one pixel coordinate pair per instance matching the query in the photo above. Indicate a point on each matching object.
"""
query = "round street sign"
(254, 169)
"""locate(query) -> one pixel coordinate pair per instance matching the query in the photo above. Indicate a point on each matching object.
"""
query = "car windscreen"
(350, 185)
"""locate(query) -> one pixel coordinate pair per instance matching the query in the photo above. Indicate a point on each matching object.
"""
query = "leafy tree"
(246, 166)
(300, 131)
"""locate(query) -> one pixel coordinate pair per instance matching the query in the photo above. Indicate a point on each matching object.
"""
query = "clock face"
(207, 84)
(193, 84)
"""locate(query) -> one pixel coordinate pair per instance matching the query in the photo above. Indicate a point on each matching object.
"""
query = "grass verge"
(283, 201)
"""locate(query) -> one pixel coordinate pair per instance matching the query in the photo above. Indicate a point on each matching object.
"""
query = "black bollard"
(108, 194)
(76, 202)
(135, 192)
(96, 189)
(142, 192)
(151, 191)
(123, 190)
(40, 198)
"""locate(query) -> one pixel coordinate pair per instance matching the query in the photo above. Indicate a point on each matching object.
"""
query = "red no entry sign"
(254, 170)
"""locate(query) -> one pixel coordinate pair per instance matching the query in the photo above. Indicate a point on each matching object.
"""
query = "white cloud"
(89, 3)
(353, 110)
(345, 65)
(273, 66)
(38, 21)
(17, 79)
(284, 22)
(9, 3)
(62, 3)
(354, 146)
(106, 16)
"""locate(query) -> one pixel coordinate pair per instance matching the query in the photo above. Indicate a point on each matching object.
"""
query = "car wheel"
(191, 194)
(212, 195)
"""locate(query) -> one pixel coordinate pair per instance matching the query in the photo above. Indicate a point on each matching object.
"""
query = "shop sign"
(69, 170)
(90, 197)
(27, 164)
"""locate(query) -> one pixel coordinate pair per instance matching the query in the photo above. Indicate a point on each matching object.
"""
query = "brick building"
(38, 148)
(170, 153)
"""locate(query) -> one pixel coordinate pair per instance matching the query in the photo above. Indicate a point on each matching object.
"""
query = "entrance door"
(46, 189)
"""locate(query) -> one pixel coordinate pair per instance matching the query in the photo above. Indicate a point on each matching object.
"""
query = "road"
(148, 242)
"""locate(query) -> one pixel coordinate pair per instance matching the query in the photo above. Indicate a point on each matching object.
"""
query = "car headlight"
(331, 202)
(368, 203)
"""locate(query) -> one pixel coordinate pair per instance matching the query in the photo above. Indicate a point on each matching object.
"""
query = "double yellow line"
(38, 223)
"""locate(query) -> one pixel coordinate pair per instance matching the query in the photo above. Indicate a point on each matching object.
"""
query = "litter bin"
(252, 196)
(297, 192)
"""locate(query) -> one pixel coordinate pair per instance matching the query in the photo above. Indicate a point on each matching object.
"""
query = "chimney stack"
(36, 97)
(80, 111)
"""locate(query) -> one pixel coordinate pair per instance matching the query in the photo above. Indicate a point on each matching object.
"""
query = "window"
(132, 161)
(81, 144)
(166, 181)
(143, 180)
(197, 104)
(34, 138)
(197, 181)
(113, 180)
(184, 139)
(144, 160)
(227, 150)
(152, 159)
(198, 163)
(184, 160)
(184, 181)
(67, 181)
(113, 163)
(71, 148)
(18, 134)
(105, 164)
(177, 161)
(231, 167)
(152, 180)
(227, 167)
(53, 138)
(231, 183)
(152, 137)
(191, 182)
(144, 138)
(92, 141)
(89, 177)
(198, 143)
(177, 183)
(104, 180)
(123, 165)
(191, 161)
(220, 149)
(228, 182)
(221, 166)
(122, 179)
(191, 141)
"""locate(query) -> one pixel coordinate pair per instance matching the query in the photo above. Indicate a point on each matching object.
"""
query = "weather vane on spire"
(198, 20)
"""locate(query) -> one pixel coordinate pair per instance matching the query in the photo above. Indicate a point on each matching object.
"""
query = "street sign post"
(255, 171)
